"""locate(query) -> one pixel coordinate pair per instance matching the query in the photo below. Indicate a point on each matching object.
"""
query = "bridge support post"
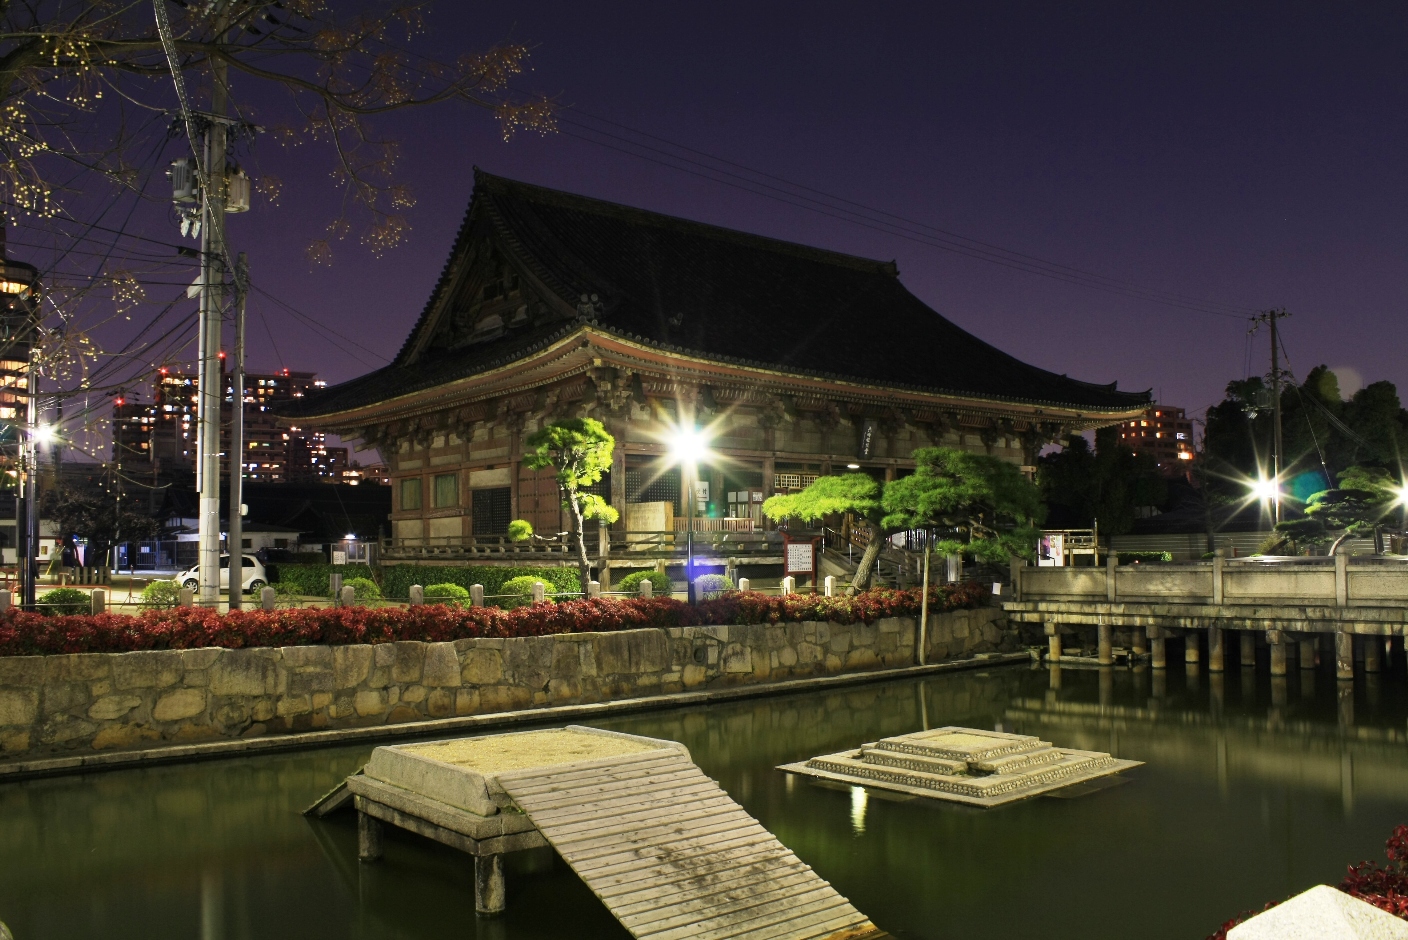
(1158, 648)
(489, 895)
(1307, 653)
(1248, 650)
(1344, 655)
(1053, 643)
(1104, 647)
(1277, 640)
(1373, 654)
(1140, 643)
(369, 831)
(1192, 649)
(1215, 654)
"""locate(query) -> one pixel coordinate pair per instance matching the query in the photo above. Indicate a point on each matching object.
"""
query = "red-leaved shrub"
(27, 634)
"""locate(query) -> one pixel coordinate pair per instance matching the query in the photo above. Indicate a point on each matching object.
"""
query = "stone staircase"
(968, 765)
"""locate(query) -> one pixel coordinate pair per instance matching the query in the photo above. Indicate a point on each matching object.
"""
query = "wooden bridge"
(1286, 604)
(669, 853)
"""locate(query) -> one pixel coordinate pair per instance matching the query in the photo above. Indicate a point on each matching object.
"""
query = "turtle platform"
(962, 765)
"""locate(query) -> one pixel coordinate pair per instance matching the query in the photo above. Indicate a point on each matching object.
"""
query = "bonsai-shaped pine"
(1353, 509)
(579, 449)
(986, 505)
(855, 493)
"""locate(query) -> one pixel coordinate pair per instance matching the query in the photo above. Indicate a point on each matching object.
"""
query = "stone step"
(1070, 763)
(869, 754)
(1017, 763)
(914, 744)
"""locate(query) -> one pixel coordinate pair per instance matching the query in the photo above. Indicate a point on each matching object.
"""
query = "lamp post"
(688, 446)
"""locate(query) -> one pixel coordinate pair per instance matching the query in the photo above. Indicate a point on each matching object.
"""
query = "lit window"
(1180, 436)
(1185, 455)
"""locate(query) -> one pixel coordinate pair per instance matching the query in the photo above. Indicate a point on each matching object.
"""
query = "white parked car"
(253, 581)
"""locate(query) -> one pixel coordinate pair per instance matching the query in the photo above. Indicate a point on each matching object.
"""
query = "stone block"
(1321, 913)
(808, 653)
(196, 677)
(693, 676)
(737, 659)
(414, 694)
(787, 657)
(202, 658)
(290, 705)
(384, 655)
(307, 657)
(833, 662)
(19, 706)
(840, 640)
(961, 629)
(566, 660)
(564, 690)
(440, 703)
(321, 700)
(64, 696)
(179, 704)
(410, 659)
(18, 671)
(244, 672)
(483, 667)
(77, 667)
(990, 632)
(466, 701)
(123, 735)
(442, 666)
(308, 681)
(111, 707)
(862, 658)
(232, 716)
(369, 702)
(14, 742)
(62, 729)
(403, 713)
(148, 669)
(262, 709)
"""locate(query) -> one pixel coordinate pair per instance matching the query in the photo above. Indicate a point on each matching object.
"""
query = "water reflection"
(1251, 791)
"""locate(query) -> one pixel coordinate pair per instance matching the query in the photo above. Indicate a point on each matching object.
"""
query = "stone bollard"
(789, 585)
(644, 588)
(539, 592)
(266, 598)
(348, 597)
(6, 599)
(743, 584)
(417, 595)
(593, 588)
(185, 598)
(98, 601)
(476, 595)
(489, 894)
(830, 585)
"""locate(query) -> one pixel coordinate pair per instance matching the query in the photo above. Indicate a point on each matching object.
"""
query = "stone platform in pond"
(964, 765)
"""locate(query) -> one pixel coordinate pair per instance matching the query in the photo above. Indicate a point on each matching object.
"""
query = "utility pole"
(237, 438)
(1277, 452)
(211, 382)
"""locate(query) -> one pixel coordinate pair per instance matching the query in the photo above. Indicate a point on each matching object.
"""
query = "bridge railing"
(1324, 581)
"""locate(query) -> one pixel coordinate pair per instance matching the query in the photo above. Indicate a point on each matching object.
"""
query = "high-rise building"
(1165, 433)
(161, 435)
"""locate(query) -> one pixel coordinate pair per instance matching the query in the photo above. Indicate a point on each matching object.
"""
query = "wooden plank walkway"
(674, 857)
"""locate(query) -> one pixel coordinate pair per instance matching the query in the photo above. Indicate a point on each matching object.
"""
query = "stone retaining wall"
(96, 701)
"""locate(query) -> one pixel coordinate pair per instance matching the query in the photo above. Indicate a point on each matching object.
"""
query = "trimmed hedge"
(660, 583)
(23, 633)
(519, 591)
(396, 580)
(363, 589)
(62, 602)
(313, 580)
(709, 586)
(1140, 558)
(446, 594)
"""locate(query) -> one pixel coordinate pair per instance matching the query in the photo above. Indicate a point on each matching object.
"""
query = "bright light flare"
(44, 434)
(688, 445)
(1267, 488)
(1401, 495)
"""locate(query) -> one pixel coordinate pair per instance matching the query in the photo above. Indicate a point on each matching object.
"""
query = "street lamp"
(44, 434)
(1266, 488)
(688, 446)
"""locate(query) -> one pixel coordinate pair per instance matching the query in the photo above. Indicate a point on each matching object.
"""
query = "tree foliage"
(579, 449)
(858, 494)
(1357, 507)
(985, 506)
(1080, 486)
(96, 518)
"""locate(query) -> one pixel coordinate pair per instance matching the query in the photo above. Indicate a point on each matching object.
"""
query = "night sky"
(1246, 159)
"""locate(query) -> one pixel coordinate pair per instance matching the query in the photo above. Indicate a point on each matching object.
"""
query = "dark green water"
(1251, 793)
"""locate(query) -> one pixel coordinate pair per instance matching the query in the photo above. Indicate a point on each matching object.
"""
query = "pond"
(1252, 791)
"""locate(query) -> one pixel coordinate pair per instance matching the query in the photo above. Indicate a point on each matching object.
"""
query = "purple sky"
(1251, 158)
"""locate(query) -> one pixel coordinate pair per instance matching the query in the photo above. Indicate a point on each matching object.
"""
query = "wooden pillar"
(1248, 650)
(369, 833)
(1215, 653)
(489, 896)
(1306, 652)
(769, 474)
(1344, 655)
(618, 476)
(515, 464)
(1104, 653)
(1277, 641)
